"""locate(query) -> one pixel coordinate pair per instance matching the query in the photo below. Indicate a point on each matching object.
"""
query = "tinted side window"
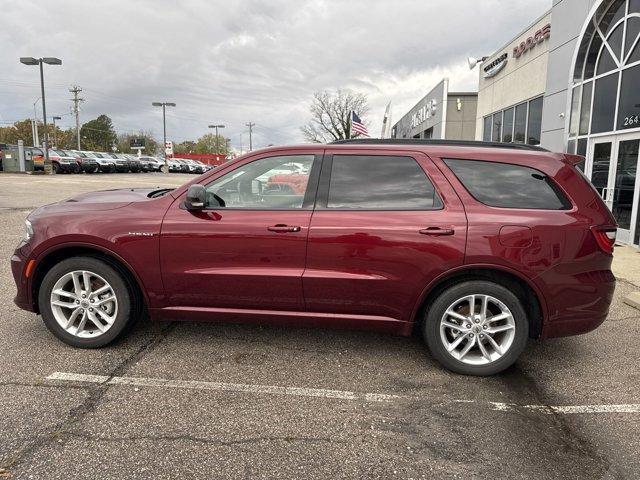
(509, 186)
(269, 183)
(380, 183)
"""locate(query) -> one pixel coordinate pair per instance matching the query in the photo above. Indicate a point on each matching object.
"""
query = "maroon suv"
(479, 246)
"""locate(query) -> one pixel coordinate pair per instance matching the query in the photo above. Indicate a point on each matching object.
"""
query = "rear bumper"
(580, 305)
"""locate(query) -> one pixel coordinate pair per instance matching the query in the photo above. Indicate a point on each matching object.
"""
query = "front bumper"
(23, 294)
(89, 166)
(69, 167)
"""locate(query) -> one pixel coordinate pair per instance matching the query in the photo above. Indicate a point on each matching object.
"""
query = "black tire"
(436, 310)
(123, 318)
(55, 167)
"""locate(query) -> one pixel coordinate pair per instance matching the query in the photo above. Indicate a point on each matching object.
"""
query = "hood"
(99, 201)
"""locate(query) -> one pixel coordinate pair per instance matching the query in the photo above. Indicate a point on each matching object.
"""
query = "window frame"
(308, 202)
(322, 197)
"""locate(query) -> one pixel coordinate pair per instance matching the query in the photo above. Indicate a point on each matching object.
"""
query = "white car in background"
(104, 164)
(153, 164)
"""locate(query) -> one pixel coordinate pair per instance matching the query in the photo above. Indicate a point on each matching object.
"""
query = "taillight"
(605, 237)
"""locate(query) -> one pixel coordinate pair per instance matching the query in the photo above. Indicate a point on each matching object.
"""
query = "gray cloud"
(241, 61)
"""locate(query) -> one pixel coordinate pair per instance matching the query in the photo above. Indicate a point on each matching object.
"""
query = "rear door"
(385, 226)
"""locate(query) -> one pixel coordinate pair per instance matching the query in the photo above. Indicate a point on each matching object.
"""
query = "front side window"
(270, 183)
(380, 183)
(508, 186)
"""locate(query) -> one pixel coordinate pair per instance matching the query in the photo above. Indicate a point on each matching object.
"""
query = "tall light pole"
(41, 61)
(164, 127)
(217, 143)
(55, 134)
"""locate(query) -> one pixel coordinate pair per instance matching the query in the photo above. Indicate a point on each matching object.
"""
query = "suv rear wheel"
(476, 328)
(84, 302)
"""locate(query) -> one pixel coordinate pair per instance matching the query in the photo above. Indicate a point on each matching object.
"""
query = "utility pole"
(250, 125)
(76, 90)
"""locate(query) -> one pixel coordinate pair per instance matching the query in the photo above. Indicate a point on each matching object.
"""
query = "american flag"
(357, 127)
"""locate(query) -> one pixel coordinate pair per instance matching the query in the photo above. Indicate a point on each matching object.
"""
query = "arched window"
(605, 93)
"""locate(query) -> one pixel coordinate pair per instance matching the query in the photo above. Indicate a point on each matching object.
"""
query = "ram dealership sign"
(426, 112)
(493, 68)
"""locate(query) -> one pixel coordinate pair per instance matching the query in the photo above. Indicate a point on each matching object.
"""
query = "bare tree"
(330, 115)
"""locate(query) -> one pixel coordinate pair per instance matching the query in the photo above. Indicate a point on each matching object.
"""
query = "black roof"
(453, 143)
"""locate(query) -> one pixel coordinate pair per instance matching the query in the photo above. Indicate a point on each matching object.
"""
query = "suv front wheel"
(476, 328)
(84, 302)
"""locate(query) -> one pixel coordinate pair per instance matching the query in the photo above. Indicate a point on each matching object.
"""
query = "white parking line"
(324, 393)
(218, 386)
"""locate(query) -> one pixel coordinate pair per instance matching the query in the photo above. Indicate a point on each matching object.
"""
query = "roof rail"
(453, 143)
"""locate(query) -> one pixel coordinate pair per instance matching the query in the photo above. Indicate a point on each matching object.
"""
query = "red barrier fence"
(209, 159)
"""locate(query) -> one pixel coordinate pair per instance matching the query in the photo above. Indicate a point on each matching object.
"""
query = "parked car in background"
(121, 164)
(478, 246)
(87, 164)
(153, 164)
(185, 167)
(135, 165)
(106, 165)
(195, 166)
(61, 162)
(174, 165)
(144, 165)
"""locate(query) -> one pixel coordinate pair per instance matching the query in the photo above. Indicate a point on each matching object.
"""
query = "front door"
(246, 250)
(613, 173)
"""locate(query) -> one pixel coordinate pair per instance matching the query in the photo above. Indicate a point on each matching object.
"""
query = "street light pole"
(55, 134)
(217, 138)
(41, 62)
(164, 128)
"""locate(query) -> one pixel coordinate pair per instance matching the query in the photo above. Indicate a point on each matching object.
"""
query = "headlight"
(28, 230)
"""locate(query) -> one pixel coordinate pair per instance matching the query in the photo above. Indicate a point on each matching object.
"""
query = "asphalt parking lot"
(202, 400)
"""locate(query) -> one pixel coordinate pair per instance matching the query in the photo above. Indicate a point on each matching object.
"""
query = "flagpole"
(349, 124)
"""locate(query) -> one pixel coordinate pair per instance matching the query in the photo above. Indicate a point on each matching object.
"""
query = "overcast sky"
(237, 61)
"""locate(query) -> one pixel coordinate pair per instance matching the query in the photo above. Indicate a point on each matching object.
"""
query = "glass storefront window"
(520, 123)
(575, 104)
(486, 129)
(633, 29)
(581, 150)
(497, 126)
(604, 104)
(534, 128)
(629, 108)
(585, 110)
(507, 126)
(592, 56)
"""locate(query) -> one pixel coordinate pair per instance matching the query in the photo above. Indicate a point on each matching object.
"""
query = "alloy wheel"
(477, 329)
(84, 304)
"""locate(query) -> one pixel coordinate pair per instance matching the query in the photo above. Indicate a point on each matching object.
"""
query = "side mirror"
(196, 198)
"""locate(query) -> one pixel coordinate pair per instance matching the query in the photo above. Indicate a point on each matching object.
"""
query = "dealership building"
(440, 114)
(571, 82)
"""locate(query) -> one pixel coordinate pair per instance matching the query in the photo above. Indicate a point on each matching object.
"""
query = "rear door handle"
(437, 231)
(280, 228)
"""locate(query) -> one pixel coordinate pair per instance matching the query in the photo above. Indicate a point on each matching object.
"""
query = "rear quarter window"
(508, 186)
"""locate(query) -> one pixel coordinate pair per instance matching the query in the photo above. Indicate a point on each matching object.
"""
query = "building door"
(613, 170)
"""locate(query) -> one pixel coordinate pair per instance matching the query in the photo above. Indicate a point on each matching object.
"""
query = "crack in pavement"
(90, 404)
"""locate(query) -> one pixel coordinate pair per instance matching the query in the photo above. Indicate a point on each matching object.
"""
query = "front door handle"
(280, 228)
(437, 231)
